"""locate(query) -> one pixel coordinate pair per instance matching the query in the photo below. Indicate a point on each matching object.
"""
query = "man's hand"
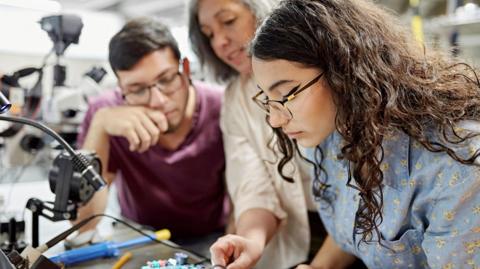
(141, 126)
(236, 252)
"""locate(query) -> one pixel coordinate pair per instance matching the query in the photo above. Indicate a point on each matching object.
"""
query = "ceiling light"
(41, 5)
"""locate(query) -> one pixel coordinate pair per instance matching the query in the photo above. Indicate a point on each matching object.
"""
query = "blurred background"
(445, 23)
(56, 83)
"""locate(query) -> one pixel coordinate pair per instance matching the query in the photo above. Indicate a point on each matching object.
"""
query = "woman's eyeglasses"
(279, 105)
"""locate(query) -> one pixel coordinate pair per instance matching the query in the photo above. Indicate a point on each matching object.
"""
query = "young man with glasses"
(158, 136)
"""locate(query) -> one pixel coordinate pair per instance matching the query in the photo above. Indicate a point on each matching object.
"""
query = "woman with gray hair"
(271, 215)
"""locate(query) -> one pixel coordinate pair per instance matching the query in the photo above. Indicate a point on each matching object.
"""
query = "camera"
(63, 30)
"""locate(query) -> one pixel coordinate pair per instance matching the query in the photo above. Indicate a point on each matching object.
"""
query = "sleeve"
(83, 129)
(93, 106)
(452, 239)
(249, 183)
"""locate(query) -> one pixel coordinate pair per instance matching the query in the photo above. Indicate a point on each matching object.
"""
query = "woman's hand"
(236, 252)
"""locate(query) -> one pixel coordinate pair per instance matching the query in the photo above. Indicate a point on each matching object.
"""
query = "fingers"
(137, 136)
(220, 252)
(152, 129)
(133, 139)
(148, 132)
(158, 118)
(232, 251)
(242, 262)
(143, 134)
(141, 126)
(147, 126)
(303, 266)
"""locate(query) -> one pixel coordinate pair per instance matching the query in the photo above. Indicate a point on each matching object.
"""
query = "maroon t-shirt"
(182, 190)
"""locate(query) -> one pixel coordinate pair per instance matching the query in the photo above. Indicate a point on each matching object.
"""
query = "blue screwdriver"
(105, 249)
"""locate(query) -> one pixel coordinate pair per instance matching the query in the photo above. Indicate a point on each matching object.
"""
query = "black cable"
(66, 233)
(80, 162)
(11, 181)
(14, 178)
(42, 128)
(77, 226)
(204, 259)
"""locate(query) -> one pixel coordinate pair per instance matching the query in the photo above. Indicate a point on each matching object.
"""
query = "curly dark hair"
(382, 80)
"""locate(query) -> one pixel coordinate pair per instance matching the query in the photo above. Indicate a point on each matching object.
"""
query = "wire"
(77, 226)
(15, 179)
(43, 128)
(204, 259)
(80, 162)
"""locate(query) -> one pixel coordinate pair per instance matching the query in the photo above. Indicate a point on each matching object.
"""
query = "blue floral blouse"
(431, 207)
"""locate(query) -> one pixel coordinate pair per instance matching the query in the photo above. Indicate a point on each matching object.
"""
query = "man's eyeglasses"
(279, 105)
(166, 85)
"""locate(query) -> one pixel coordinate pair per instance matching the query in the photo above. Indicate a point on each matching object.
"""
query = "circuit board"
(177, 262)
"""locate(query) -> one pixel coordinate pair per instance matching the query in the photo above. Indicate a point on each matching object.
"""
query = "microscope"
(74, 179)
(75, 175)
(65, 106)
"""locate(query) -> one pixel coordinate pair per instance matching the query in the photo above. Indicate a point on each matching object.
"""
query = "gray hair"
(201, 44)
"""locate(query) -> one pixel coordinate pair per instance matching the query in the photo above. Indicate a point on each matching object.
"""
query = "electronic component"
(177, 262)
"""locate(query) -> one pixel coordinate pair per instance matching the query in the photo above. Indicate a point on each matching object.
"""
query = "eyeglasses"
(166, 85)
(279, 106)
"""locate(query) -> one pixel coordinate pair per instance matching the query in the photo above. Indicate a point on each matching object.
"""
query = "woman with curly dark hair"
(272, 218)
(395, 128)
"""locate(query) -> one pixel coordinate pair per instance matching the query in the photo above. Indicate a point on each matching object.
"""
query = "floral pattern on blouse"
(431, 206)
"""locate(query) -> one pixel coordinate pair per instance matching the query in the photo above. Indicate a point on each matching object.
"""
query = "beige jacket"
(253, 180)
